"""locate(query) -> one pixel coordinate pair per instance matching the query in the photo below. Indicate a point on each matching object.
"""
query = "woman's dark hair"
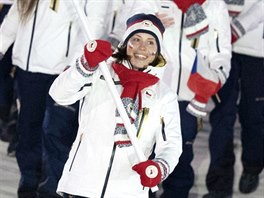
(121, 55)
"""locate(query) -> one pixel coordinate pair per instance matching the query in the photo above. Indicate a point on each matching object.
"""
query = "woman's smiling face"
(141, 49)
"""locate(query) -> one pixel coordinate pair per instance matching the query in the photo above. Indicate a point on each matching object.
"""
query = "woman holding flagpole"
(103, 162)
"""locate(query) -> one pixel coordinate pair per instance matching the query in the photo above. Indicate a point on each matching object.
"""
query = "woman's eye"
(151, 43)
(135, 40)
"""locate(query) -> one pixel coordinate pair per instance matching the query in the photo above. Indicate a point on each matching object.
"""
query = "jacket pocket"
(163, 129)
(68, 39)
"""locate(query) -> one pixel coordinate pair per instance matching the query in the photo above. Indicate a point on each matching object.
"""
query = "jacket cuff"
(164, 167)
(80, 68)
(237, 28)
(197, 108)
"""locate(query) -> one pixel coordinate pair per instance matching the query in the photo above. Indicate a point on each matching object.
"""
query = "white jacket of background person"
(215, 45)
(51, 39)
(7, 2)
(252, 20)
(86, 169)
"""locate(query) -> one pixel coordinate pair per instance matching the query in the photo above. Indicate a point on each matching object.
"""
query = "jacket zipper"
(217, 41)
(263, 32)
(32, 35)
(218, 50)
(180, 58)
(163, 129)
(76, 152)
(108, 171)
(84, 8)
(69, 40)
(216, 96)
(81, 103)
(144, 116)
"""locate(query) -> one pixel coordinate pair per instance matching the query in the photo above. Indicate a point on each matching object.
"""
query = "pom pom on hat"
(146, 23)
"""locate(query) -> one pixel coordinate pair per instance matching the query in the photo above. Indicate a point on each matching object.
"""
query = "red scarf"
(133, 82)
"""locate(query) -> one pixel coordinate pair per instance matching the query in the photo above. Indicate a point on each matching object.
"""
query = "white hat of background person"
(146, 23)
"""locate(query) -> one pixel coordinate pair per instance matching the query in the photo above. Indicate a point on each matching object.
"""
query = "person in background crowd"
(47, 38)
(61, 122)
(8, 109)
(103, 162)
(6, 80)
(246, 80)
(198, 51)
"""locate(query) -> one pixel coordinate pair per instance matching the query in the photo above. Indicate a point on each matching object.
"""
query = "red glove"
(197, 106)
(96, 52)
(203, 91)
(185, 4)
(150, 173)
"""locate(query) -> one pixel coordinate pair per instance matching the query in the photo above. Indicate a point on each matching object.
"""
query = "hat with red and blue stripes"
(146, 23)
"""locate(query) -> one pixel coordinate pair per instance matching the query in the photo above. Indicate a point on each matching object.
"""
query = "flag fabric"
(203, 81)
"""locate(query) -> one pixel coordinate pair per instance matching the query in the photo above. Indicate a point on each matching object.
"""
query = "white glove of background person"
(166, 20)
(114, 40)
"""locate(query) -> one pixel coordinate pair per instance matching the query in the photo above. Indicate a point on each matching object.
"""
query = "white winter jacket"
(215, 45)
(52, 38)
(93, 152)
(252, 20)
